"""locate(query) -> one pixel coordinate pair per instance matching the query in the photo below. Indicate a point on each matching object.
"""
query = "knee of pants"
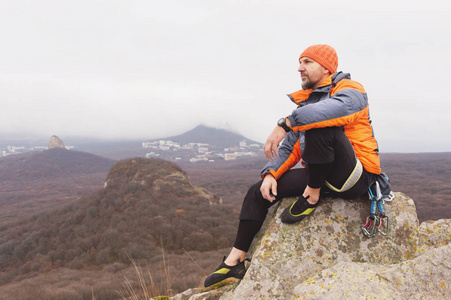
(320, 144)
(325, 136)
(254, 207)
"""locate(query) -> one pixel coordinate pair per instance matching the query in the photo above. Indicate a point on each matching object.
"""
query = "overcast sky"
(151, 69)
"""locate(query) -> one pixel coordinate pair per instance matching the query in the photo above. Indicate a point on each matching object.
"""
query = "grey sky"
(150, 69)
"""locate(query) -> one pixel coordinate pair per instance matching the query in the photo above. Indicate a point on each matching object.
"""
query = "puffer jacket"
(340, 101)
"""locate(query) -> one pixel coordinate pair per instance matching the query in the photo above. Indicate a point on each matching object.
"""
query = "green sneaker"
(300, 209)
(224, 271)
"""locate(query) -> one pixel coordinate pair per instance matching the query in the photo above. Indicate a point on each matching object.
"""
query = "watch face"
(282, 123)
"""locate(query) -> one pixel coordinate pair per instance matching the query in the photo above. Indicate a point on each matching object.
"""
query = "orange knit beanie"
(325, 55)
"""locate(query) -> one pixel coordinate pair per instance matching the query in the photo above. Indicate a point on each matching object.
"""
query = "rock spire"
(56, 142)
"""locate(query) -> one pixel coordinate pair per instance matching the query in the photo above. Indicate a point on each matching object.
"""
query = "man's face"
(311, 73)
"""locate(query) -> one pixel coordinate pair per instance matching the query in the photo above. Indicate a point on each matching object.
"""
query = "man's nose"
(301, 68)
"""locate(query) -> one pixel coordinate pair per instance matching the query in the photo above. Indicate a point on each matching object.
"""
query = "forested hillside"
(147, 204)
(69, 227)
(35, 182)
(51, 164)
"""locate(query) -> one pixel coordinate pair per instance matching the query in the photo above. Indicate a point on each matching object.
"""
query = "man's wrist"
(284, 124)
(288, 122)
(266, 174)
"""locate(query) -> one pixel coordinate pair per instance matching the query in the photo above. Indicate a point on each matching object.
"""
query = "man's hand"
(273, 141)
(269, 185)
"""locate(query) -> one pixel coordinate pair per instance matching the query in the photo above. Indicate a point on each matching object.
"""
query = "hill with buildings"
(201, 144)
(212, 136)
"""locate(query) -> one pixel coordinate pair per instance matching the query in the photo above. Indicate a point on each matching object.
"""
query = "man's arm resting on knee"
(272, 142)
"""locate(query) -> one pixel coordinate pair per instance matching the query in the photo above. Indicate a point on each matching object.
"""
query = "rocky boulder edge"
(327, 256)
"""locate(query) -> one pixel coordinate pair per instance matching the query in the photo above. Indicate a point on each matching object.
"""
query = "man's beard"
(308, 84)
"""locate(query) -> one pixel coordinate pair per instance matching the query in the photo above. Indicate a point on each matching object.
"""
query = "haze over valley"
(83, 216)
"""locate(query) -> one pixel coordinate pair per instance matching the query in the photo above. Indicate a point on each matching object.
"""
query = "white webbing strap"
(351, 181)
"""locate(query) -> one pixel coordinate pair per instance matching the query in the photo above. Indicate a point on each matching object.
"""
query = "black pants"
(322, 146)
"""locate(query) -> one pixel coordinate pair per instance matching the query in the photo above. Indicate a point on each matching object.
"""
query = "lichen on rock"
(326, 256)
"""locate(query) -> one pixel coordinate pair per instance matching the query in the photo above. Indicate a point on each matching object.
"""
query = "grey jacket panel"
(319, 107)
(285, 150)
(342, 104)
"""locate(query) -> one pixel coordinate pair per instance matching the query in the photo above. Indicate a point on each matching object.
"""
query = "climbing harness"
(351, 181)
(377, 221)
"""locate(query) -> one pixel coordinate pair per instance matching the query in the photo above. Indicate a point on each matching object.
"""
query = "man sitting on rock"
(331, 132)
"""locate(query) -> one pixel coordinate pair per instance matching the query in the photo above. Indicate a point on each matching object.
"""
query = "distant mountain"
(218, 138)
(212, 136)
(51, 163)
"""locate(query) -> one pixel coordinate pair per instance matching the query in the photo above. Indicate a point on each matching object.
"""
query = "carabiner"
(370, 228)
(390, 197)
(385, 232)
(373, 223)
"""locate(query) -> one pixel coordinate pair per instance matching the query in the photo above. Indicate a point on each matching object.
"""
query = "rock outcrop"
(161, 177)
(326, 256)
(55, 142)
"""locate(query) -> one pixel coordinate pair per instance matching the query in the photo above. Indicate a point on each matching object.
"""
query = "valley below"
(30, 203)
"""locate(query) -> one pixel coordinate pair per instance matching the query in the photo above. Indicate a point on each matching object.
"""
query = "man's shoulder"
(299, 96)
(347, 83)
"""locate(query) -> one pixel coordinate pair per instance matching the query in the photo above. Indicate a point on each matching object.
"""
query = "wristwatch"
(283, 123)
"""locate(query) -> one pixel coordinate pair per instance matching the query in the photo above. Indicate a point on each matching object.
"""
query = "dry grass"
(104, 283)
(145, 287)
